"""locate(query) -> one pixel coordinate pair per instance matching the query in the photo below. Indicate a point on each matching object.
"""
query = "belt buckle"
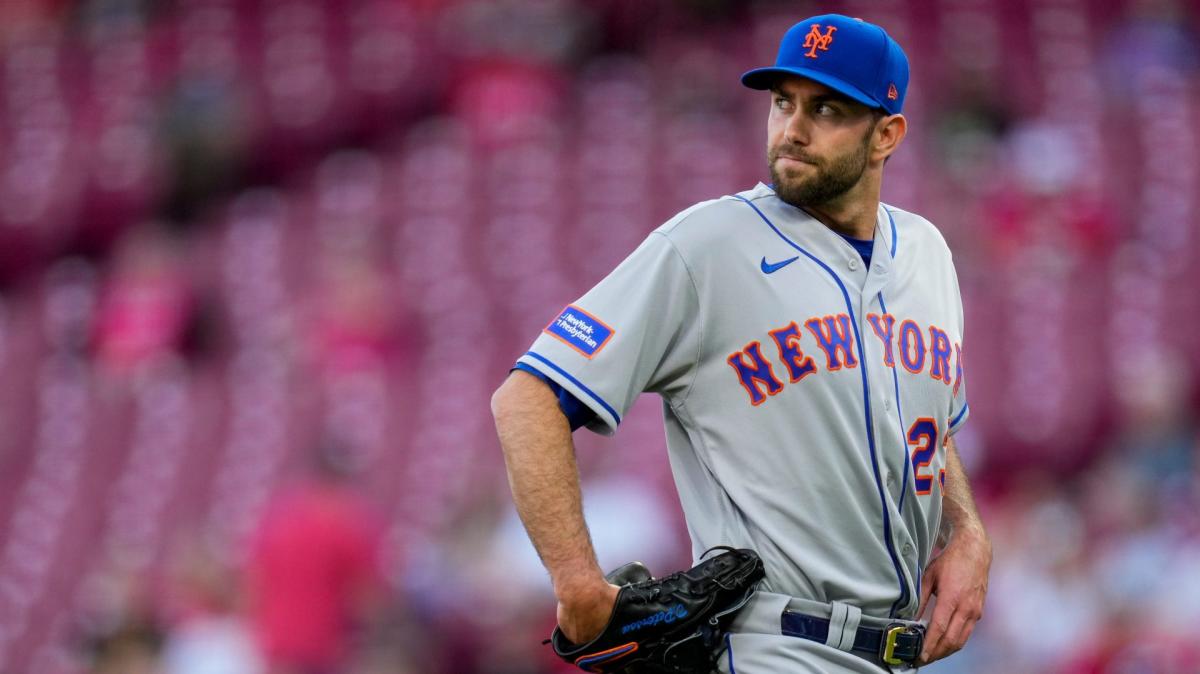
(888, 648)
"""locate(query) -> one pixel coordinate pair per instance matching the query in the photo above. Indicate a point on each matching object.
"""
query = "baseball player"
(807, 341)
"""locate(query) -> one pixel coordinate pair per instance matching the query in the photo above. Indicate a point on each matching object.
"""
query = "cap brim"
(764, 78)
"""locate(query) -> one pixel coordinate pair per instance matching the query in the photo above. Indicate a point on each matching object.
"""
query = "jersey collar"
(831, 247)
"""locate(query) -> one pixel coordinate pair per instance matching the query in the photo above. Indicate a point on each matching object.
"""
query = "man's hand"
(583, 613)
(958, 577)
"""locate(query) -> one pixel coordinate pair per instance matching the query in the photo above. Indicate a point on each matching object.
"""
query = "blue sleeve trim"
(538, 373)
(959, 418)
(608, 408)
(578, 414)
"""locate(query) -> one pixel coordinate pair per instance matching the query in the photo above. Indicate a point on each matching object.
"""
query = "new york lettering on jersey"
(832, 336)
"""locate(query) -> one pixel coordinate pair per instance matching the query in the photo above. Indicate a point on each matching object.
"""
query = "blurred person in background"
(1154, 390)
(132, 649)
(147, 305)
(208, 633)
(314, 585)
(120, 627)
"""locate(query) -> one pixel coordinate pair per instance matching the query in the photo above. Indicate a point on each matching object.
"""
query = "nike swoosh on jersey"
(772, 267)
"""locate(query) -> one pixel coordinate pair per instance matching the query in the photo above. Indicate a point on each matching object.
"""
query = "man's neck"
(856, 221)
(852, 214)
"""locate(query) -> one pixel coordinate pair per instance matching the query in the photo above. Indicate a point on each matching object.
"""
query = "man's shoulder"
(916, 230)
(715, 218)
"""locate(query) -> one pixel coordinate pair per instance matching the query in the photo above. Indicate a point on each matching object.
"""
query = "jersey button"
(887, 403)
(907, 549)
(853, 264)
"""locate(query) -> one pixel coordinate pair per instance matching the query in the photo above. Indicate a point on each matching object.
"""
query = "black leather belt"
(896, 644)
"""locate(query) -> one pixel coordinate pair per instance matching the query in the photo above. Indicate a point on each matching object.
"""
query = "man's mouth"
(795, 159)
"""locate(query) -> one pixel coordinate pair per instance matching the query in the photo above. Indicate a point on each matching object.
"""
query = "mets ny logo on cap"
(815, 40)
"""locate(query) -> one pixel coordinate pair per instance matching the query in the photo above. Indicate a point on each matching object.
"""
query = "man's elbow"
(519, 391)
(502, 400)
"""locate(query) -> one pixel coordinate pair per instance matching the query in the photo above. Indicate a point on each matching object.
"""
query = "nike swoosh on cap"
(772, 267)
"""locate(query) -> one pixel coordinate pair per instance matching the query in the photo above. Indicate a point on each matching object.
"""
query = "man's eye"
(825, 110)
(781, 103)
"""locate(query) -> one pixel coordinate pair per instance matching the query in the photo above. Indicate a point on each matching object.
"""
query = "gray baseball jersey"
(806, 396)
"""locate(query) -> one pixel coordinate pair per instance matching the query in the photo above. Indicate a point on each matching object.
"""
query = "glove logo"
(676, 612)
(815, 40)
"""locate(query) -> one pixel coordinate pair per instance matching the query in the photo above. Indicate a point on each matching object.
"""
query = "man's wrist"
(962, 527)
(973, 534)
(580, 586)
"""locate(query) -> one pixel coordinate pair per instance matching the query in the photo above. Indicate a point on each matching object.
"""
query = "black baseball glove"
(668, 625)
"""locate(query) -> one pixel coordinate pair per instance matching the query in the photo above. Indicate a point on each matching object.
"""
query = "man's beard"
(832, 179)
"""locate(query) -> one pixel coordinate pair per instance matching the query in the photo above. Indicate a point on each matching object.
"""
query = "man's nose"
(798, 129)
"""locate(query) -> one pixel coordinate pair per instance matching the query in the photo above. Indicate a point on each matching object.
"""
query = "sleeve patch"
(580, 330)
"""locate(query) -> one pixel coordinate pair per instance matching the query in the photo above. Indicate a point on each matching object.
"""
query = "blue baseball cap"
(853, 57)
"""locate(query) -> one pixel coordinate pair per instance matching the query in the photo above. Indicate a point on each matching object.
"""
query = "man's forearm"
(544, 478)
(958, 575)
(959, 513)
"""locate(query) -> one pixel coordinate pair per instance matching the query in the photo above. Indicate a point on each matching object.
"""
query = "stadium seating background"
(230, 228)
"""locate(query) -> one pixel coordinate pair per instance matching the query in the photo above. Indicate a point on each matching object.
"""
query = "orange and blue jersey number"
(922, 437)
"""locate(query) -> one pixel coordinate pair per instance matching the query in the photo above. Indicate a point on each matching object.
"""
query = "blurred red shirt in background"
(314, 576)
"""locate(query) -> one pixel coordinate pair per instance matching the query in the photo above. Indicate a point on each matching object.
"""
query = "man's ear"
(889, 133)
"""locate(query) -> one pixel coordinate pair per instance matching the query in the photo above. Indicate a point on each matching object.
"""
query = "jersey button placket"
(887, 433)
